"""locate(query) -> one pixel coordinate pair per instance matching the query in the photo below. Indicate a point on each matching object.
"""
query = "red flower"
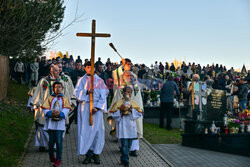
(45, 85)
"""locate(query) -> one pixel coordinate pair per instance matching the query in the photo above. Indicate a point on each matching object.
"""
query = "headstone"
(216, 104)
(200, 100)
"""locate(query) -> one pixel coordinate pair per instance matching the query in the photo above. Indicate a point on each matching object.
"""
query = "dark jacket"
(167, 91)
(243, 91)
(74, 74)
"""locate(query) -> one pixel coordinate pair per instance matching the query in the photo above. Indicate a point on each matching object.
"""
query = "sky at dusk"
(200, 31)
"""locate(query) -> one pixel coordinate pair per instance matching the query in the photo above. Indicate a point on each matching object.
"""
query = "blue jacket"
(167, 91)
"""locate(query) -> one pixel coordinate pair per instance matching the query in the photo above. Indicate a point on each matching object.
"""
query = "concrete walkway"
(147, 156)
(181, 156)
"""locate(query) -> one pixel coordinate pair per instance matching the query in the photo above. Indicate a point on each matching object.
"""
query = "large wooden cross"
(93, 34)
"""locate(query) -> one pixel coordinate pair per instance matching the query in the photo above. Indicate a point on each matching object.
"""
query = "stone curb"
(31, 134)
(157, 152)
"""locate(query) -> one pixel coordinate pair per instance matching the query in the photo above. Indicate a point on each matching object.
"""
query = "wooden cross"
(93, 34)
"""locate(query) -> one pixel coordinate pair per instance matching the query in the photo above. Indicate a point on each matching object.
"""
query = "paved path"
(110, 156)
(181, 156)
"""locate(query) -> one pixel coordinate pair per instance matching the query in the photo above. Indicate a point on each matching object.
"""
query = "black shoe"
(125, 164)
(41, 149)
(133, 153)
(67, 131)
(87, 160)
(96, 158)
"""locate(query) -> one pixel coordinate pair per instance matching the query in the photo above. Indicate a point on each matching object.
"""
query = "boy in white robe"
(91, 139)
(124, 77)
(56, 108)
(125, 112)
(41, 93)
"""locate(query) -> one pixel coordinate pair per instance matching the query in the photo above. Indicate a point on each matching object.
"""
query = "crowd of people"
(120, 93)
(215, 76)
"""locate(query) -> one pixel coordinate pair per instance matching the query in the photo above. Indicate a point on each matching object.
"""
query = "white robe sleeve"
(45, 111)
(102, 100)
(135, 114)
(65, 111)
(116, 115)
(80, 92)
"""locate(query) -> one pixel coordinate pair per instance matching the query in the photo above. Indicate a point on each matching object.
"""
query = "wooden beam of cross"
(93, 34)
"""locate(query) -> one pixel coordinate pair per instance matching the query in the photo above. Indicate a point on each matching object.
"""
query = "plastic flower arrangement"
(233, 123)
(154, 95)
(245, 115)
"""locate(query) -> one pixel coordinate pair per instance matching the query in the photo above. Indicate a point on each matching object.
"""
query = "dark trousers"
(166, 107)
(126, 145)
(55, 137)
(19, 76)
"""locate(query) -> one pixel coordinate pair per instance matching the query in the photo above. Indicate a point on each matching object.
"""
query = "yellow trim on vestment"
(47, 103)
(31, 91)
(118, 104)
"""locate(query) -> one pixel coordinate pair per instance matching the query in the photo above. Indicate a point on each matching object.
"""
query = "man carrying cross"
(91, 93)
(91, 138)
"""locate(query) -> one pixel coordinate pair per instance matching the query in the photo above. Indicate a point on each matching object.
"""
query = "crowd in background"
(215, 76)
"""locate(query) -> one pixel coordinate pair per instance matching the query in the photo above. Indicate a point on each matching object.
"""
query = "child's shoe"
(133, 153)
(125, 164)
(52, 159)
(57, 163)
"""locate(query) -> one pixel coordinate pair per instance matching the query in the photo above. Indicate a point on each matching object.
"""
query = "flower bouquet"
(154, 96)
(244, 115)
(146, 97)
(233, 125)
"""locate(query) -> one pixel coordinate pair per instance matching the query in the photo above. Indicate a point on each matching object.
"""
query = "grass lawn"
(156, 135)
(15, 124)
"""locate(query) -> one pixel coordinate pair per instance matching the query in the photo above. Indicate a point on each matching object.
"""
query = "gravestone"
(216, 104)
(200, 100)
